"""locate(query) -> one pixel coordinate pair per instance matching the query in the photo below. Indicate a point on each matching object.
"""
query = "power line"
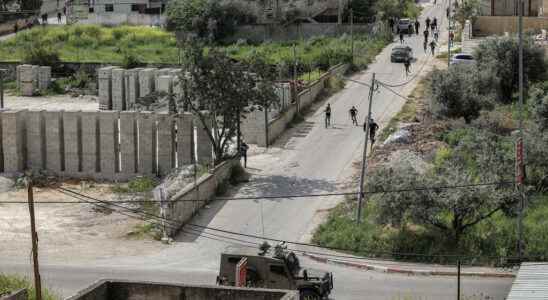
(410, 189)
(68, 192)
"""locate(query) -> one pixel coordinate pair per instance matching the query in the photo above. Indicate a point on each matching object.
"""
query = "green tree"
(364, 10)
(451, 211)
(461, 91)
(207, 19)
(216, 90)
(469, 10)
(538, 98)
(501, 55)
(397, 9)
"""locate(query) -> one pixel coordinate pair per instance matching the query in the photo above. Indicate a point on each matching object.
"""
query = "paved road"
(312, 159)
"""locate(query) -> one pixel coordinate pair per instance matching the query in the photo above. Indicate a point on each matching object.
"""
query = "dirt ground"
(68, 231)
(58, 102)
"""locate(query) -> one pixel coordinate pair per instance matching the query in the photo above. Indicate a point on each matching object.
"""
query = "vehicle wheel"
(392, 60)
(309, 295)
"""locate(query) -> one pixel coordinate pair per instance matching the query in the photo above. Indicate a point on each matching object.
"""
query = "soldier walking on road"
(425, 33)
(417, 26)
(353, 115)
(243, 152)
(328, 115)
(427, 23)
(433, 46)
(407, 65)
(401, 37)
(373, 127)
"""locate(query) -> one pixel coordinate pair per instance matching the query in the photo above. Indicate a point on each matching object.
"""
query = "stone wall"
(205, 188)
(105, 145)
(117, 18)
(125, 290)
(254, 127)
(499, 25)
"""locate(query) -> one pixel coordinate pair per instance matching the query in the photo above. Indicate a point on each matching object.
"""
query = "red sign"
(241, 272)
(519, 162)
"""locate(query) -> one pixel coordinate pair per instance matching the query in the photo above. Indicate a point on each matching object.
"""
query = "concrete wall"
(205, 188)
(125, 290)
(254, 128)
(117, 18)
(107, 145)
(267, 32)
(532, 8)
(499, 25)
(17, 295)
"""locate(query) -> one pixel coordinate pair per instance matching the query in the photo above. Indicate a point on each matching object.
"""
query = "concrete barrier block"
(166, 143)
(72, 139)
(146, 81)
(28, 79)
(54, 141)
(90, 143)
(204, 146)
(108, 144)
(44, 77)
(36, 140)
(185, 140)
(12, 141)
(132, 87)
(158, 73)
(128, 142)
(146, 125)
(118, 89)
(165, 84)
(104, 76)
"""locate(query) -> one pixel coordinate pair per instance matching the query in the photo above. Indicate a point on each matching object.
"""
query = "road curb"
(378, 268)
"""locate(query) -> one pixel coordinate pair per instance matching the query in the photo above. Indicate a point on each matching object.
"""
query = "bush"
(460, 92)
(130, 61)
(42, 55)
(538, 97)
(11, 283)
(501, 55)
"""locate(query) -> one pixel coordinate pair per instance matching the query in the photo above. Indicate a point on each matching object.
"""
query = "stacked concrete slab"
(119, 89)
(106, 145)
(32, 78)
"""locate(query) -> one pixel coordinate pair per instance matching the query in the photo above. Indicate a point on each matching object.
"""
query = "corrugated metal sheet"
(531, 282)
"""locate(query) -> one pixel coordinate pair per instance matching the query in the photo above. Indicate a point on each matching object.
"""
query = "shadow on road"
(257, 187)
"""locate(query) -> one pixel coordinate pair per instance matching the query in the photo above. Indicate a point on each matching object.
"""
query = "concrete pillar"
(165, 84)
(185, 140)
(146, 81)
(13, 141)
(105, 87)
(118, 89)
(44, 77)
(54, 141)
(108, 143)
(147, 143)
(158, 73)
(36, 141)
(27, 78)
(90, 143)
(132, 87)
(166, 143)
(128, 143)
(73, 142)
(204, 146)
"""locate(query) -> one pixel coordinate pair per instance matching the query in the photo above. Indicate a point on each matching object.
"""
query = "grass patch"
(12, 283)
(144, 231)
(408, 112)
(137, 185)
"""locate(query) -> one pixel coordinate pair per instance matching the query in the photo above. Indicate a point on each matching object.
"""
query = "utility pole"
(352, 34)
(364, 158)
(2, 88)
(520, 138)
(449, 36)
(295, 78)
(458, 279)
(34, 237)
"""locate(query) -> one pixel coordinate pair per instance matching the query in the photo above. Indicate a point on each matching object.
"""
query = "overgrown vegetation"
(476, 145)
(137, 185)
(12, 283)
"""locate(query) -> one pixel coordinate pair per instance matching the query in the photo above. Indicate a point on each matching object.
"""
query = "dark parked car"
(401, 53)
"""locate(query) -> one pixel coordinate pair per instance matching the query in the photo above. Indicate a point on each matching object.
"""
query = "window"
(234, 260)
(277, 269)
(109, 7)
(135, 7)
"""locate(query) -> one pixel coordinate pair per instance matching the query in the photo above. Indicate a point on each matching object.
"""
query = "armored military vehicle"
(274, 269)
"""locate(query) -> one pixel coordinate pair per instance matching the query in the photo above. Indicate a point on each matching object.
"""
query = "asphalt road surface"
(312, 160)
